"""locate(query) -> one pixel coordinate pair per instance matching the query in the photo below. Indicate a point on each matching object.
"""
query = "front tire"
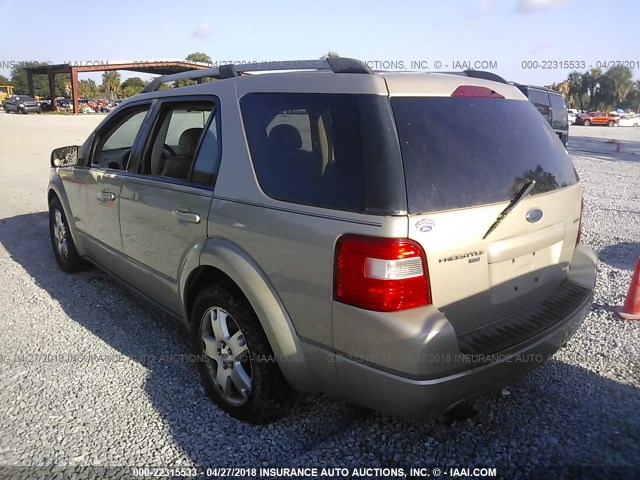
(63, 247)
(611, 123)
(236, 363)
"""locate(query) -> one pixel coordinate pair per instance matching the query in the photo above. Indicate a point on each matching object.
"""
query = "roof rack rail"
(335, 64)
(484, 75)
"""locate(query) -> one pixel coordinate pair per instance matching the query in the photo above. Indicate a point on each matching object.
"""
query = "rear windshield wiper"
(524, 191)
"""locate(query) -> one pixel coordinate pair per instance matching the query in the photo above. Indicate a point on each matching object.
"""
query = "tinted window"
(306, 148)
(116, 139)
(25, 98)
(176, 136)
(559, 116)
(461, 152)
(207, 162)
(125, 134)
(540, 100)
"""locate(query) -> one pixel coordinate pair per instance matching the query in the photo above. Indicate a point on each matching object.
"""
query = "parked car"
(572, 114)
(629, 121)
(45, 105)
(403, 241)
(552, 107)
(21, 104)
(64, 104)
(597, 118)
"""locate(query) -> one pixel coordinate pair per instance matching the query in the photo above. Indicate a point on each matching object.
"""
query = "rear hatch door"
(466, 158)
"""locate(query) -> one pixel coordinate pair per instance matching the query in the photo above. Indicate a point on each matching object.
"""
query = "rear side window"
(559, 114)
(306, 148)
(462, 152)
(541, 101)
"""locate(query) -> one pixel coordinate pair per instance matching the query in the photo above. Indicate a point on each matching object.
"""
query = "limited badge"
(425, 225)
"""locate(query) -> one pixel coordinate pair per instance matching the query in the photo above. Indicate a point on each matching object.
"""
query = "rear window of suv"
(463, 152)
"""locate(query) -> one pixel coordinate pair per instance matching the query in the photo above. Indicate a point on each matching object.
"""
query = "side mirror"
(64, 157)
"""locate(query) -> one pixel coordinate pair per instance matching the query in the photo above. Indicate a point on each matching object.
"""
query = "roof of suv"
(328, 76)
(535, 87)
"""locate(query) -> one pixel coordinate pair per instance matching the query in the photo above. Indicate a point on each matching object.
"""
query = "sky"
(438, 35)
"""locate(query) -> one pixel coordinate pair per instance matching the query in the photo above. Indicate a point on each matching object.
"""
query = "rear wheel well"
(201, 277)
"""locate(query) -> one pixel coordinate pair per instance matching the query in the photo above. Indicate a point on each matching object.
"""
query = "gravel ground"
(123, 407)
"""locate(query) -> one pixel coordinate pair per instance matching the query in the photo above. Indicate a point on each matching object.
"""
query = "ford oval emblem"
(534, 215)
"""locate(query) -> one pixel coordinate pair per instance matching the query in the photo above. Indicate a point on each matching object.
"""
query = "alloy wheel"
(228, 359)
(60, 234)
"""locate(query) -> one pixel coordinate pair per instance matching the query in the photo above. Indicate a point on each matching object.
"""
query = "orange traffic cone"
(631, 308)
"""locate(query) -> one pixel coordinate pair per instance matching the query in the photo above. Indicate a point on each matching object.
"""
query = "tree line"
(598, 90)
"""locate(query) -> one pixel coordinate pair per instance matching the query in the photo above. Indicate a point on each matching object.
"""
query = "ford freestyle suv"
(404, 241)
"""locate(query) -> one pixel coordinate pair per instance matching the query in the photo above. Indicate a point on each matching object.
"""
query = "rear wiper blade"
(524, 191)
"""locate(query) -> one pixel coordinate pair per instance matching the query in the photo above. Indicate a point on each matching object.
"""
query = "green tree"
(194, 57)
(615, 84)
(88, 89)
(132, 86)
(111, 84)
(329, 54)
(632, 101)
(4, 80)
(20, 83)
(576, 89)
(199, 57)
(590, 82)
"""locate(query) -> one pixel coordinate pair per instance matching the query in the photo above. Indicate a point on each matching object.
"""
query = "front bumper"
(416, 396)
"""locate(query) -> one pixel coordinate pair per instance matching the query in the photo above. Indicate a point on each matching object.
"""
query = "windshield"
(462, 152)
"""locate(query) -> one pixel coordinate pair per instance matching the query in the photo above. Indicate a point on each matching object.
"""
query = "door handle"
(107, 196)
(186, 216)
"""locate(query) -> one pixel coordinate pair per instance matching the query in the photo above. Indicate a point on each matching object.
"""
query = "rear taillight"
(580, 224)
(381, 274)
(475, 91)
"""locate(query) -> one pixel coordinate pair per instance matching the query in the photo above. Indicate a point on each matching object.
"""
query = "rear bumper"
(415, 396)
(408, 398)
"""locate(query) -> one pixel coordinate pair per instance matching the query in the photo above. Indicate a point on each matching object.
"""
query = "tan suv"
(404, 241)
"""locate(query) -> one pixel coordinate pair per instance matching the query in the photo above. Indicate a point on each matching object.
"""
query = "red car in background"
(597, 118)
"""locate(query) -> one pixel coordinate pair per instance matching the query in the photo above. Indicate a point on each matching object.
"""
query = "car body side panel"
(288, 349)
(295, 249)
(155, 238)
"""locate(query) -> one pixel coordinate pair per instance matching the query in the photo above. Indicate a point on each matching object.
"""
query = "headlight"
(21, 105)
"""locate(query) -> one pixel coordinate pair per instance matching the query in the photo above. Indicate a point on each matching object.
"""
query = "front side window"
(184, 144)
(306, 148)
(116, 140)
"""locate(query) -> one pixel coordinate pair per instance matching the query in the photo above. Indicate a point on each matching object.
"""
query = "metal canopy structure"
(164, 67)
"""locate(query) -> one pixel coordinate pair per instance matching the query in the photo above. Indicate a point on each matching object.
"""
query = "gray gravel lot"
(127, 406)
